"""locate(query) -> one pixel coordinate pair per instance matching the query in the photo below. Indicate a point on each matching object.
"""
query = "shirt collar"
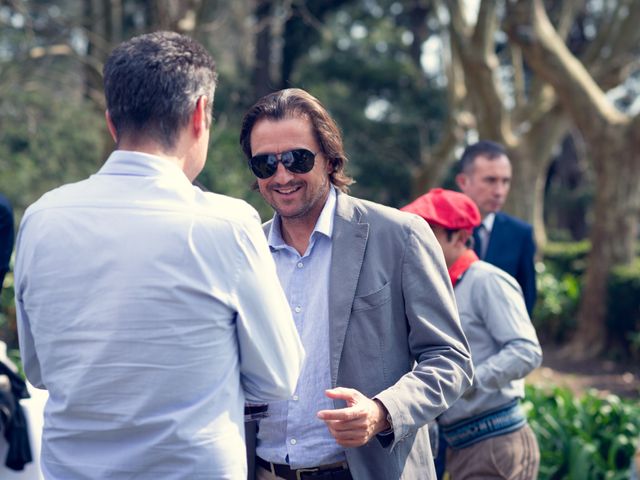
(461, 265)
(324, 224)
(488, 221)
(126, 162)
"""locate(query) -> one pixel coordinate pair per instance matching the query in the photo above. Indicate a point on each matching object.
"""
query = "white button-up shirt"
(150, 311)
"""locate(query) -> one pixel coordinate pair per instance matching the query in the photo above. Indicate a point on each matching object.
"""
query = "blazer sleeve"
(443, 368)
(527, 270)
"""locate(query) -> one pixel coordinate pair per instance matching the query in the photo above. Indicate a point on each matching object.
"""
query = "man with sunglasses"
(368, 287)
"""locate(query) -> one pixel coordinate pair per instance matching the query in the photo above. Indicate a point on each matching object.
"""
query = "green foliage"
(623, 307)
(226, 171)
(559, 284)
(46, 141)
(8, 313)
(584, 438)
(364, 74)
(567, 257)
(554, 315)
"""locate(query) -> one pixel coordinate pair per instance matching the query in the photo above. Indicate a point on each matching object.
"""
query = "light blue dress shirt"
(292, 433)
(150, 311)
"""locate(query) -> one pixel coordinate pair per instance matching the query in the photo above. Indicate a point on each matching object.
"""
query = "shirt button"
(300, 264)
(298, 309)
(296, 397)
(293, 441)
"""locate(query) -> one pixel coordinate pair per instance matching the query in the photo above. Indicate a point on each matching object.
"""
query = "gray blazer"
(395, 332)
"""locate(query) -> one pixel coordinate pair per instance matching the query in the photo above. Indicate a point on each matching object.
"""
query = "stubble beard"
(308, 207)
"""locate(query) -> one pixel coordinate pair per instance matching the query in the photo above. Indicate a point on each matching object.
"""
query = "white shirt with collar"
(150, 311)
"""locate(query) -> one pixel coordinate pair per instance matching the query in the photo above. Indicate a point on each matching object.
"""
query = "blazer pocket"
(372, 300)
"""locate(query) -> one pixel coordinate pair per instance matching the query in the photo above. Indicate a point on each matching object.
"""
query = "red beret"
(446, 208)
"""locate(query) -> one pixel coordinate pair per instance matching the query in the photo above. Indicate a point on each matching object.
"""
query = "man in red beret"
(486, 431)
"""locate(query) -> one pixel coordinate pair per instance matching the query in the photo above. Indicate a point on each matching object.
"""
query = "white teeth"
(286, 190)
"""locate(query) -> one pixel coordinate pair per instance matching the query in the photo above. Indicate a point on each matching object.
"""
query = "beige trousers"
(514, 456)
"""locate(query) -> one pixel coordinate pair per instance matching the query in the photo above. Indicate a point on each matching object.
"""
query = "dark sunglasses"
(299, 160)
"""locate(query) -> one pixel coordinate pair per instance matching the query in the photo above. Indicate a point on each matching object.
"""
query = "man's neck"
(153, 148)
(296, 232)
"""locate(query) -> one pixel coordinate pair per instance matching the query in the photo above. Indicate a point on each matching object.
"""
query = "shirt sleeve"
(443, 368)
(508, 323)
(28, 356)
(270, 349)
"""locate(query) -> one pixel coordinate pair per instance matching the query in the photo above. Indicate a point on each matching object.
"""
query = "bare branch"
(518, 76)
(548, 55)
(479, 64)
(568, 16)
(483, 35)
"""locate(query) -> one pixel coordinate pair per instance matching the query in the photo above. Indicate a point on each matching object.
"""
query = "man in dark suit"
(502, 240)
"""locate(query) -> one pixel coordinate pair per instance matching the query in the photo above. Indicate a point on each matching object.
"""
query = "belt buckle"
(301, 471)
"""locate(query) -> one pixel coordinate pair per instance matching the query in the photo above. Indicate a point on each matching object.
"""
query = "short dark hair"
(292, 103)
(152, 83)
(450, 231)
(485, 148)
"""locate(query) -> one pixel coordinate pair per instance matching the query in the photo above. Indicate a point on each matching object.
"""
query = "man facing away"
(371, 301)
(151, 310)
(486, 432)
(502, 240)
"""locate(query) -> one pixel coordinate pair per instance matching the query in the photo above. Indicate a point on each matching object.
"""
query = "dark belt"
(335, 471)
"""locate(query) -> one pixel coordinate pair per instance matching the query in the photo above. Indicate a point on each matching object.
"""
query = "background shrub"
(623, 307)
(554, 315)
(586, 438)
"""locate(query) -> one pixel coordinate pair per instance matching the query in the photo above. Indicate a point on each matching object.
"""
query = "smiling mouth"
(287, 190)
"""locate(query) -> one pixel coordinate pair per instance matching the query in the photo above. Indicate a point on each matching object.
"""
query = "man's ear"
(461, 180)
(199, 118)
(462, 237)
(111, 126)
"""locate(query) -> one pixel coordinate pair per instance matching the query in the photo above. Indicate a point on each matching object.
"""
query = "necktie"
(481, 238)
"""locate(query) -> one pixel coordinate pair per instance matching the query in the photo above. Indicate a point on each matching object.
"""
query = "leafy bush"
(559, 284)
(623, 306)
(8, 313)
(554, 315)
(567, 257)
(591, 437)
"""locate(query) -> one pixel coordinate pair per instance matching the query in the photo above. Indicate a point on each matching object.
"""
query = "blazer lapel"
(477, 242)
(495, 239)
(348, 246)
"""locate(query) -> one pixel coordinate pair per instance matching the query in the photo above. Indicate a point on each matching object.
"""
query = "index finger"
(342, 414)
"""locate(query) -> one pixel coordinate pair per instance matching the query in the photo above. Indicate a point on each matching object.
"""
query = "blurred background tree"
(410, 83)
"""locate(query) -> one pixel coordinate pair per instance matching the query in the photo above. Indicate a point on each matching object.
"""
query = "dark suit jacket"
(395, 332)
(512, 248)
(6, 237)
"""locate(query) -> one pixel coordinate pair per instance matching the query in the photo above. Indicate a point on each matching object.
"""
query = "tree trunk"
(261, 78)
(615, 212)
(611, 140)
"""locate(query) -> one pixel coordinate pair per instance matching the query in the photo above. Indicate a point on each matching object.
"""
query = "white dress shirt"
(150, 311)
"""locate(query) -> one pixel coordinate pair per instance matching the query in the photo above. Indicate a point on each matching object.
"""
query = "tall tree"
(508, 105)
(611, 135)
